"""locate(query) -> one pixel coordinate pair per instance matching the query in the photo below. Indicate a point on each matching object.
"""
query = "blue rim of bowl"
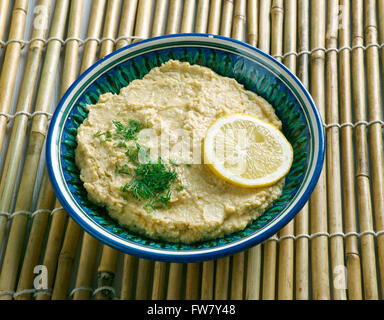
(193, 255)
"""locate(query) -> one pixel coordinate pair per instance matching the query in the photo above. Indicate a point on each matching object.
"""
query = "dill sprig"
(151, 180)
(122, 132)
(159, 202)
(103, 136)
(123, 169)
(127, 132)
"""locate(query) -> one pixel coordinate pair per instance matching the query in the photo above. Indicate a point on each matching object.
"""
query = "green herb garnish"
(97, 134)
(132, 153)
(159, 202)
(121, 145)
(151, 180)
(122, 170)
(127, 132)
(107, 136)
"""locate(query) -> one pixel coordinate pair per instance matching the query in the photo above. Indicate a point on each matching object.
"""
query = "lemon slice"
(246, 151)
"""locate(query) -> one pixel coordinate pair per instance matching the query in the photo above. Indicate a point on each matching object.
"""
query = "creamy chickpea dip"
(175, 104)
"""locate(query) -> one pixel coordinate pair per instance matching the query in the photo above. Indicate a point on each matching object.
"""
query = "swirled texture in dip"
(175, 97)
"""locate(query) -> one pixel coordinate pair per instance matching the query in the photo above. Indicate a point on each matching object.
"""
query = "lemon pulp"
(247, 151)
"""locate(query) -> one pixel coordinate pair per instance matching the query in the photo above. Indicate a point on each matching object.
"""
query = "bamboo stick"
(226, 19)
(302, 257)
(188, 16)
(381, 16)
(381, 26)
(264, 25)
(301, 220)
(174, 12)
(159, 280)
(143, 19)
(252, 30)
(333, 157)
(127, 281)
(270, 246)
(277, 22)
(112, 15)
(207, 280)
(127, 20)
(202, 16)
(11, 61)
(239, 19)
(106, 272)
(221, 279)
(65, 262)
(87, 262)
(237, 278)
(375, 129)
(143, 287)
(237, 281)
(107, 267)
(381, 29)
(71, 58)
(286, 245)
(208, 267)
(318, 201)
(52, 251)
(159, 18)
(175, 281)
(8, 78)
(290, 30)
(192, 286)
(347, 155)
(35, 241)
(4, 5)
(253, 273)
(94, 29)
(37, 136)
(362, 172)
(90, 245)
(53, 258)
(214, 17)
(24, 104)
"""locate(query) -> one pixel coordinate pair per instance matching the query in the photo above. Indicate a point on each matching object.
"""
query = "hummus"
(175, 103)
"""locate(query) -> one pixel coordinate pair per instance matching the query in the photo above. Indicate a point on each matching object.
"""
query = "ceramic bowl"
(257, 71)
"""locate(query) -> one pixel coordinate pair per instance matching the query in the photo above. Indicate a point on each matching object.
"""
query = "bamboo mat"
(333, 249)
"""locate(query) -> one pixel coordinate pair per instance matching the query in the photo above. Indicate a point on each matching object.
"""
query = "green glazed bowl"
(257, 71)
